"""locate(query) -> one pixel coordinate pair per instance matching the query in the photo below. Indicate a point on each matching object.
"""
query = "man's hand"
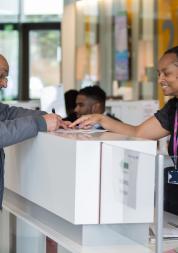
(54, 121)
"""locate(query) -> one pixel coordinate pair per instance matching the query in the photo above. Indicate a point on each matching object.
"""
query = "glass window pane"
(9, 48)
(45, 58)
(9, 11)
(51, 11)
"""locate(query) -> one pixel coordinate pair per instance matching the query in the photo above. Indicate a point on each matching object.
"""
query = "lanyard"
(175, 144)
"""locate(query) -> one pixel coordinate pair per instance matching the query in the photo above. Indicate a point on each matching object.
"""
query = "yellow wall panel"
(167, 17)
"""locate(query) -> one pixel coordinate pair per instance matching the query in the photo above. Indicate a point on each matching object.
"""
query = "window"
(9, 48)
(9, 11)
(30, 40)
(45, 58)
(52, 10)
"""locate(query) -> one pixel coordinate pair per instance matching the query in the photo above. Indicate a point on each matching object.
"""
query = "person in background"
(18, 124)
(163, 123)
(91, 100)
(70, 103)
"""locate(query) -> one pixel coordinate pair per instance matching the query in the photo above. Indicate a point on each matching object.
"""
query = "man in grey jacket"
(18, 124)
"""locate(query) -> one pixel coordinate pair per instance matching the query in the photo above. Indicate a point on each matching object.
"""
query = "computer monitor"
(52, 97)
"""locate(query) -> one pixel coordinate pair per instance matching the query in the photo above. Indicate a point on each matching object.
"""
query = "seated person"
(91, 100)
(70, 98)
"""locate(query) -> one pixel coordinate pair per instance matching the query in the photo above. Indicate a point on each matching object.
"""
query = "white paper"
(79, 131)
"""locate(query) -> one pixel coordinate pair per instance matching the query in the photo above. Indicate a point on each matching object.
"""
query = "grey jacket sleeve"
(13, 112)
(18, 124)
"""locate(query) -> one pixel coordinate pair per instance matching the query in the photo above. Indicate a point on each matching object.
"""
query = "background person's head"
(70, 99)
(90, 100)
(4, 71)
(168, 72)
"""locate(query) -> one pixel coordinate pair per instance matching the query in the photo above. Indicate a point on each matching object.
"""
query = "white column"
(68, 45)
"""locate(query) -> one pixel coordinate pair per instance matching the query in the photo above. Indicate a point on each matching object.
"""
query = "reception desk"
(79, 184)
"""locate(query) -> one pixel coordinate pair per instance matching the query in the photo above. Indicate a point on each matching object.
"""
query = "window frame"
(24, 30)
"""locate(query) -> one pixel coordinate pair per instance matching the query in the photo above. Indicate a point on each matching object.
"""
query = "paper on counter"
(79, 131)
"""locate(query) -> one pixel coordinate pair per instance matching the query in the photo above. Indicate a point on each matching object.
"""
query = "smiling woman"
(164, 122)
(168, 73)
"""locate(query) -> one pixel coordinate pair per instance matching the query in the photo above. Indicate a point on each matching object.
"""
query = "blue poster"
(121, 48)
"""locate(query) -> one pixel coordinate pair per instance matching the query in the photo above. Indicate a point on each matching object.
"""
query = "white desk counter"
(77, 177)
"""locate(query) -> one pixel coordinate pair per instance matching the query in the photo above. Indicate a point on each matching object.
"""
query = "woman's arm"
(150, 129)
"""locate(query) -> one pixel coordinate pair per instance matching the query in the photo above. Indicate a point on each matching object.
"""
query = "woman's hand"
(87, 121)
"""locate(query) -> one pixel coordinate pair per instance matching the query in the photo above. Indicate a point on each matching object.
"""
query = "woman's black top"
(166, 117)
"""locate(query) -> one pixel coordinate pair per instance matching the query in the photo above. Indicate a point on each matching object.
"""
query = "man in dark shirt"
(90, 100)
